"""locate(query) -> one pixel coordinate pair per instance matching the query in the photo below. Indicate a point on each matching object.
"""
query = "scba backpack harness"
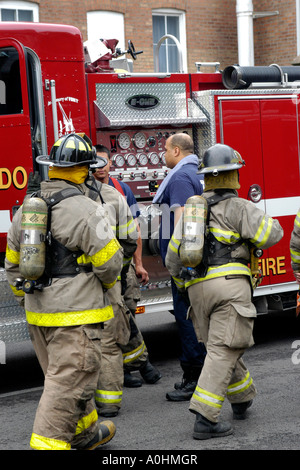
(58, 261)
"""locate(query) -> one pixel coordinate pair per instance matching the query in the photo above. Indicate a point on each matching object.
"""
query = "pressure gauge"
(139, 140)
(154, 158)
(124, 140)
(162, 157)
(151, 141)
(142, 159)
(131, 159)
(118, 160)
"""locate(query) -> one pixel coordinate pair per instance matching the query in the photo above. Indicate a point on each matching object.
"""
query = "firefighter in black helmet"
(64, 316)
(70, 150)
(220, 292)
(220, 158)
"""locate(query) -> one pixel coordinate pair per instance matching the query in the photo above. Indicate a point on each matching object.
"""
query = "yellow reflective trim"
(179, 282)
(263, 232)
(172, 248)
(223, 270)
(108, 396)
(295, 256)
(226, 236)
(210, 399)
(134, 354)
(102, 256)
(86, 422)
(82, 317)
(174, 244)
(12, 256)
(44, 443)
(241, 386)
(126, 229)
(297, 219)
(17, 292)
(177, 242)
(109, 286)
(106, 253)
(83, 259)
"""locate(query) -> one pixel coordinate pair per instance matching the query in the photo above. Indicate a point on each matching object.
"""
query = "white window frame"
(182, 28)
(20, 5)
(113, 21)
(298, 25)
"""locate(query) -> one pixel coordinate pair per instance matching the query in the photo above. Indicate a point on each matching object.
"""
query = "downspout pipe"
(244, 13)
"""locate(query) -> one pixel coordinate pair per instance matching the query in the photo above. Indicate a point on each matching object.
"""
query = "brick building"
(206, 29)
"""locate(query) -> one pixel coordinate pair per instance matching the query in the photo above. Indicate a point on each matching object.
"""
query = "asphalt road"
(149, 422)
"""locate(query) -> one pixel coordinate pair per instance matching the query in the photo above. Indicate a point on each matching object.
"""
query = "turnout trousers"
(70, 358)
(122, 345)
(223, 317)
(135, 353)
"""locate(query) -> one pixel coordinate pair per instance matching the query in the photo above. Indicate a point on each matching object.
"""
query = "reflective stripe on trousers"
(108, 396)
(134, 354)
(216, 401)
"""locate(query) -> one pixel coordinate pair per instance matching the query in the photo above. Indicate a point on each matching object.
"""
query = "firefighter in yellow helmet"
(220, 290)
(67, 305)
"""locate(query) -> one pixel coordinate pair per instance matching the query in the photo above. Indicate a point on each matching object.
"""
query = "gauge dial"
(162, 157)
(118, 160)
(154, 158)
(139, 140)
(124, 140)
(151, 141)
(131, 159)
(142, 159)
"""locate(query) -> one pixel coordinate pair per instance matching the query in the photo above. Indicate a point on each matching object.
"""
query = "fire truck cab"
(50, 86)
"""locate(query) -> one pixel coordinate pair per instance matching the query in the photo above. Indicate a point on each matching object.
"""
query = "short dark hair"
(102, 148)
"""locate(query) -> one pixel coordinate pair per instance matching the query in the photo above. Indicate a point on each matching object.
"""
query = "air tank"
(33, 237)
(194, 227)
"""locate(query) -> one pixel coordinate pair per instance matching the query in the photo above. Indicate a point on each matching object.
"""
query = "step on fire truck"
(51, 83)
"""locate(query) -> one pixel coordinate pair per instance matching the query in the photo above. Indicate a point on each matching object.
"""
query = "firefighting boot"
(205, 429)
(108, 411)
(184, 390)
(149, 373)
(106, 432)
(131, 381)
(239, 409)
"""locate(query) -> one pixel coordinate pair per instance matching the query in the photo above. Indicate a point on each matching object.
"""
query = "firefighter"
(122, 342)
(181, 183)
(220, 291)
(295, 248)
(135, 354)
(68, 304)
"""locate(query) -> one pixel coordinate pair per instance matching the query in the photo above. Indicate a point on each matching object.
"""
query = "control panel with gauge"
(138, 157)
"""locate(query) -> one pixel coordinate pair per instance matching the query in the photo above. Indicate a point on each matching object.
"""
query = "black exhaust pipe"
(236, 77)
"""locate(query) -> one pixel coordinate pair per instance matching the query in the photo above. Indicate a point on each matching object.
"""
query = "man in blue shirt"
(181, 183)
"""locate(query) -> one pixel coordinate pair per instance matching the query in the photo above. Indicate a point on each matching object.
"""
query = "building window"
(169, 22)
(18, 11)
(10, 82)
(298, 25)
(106, 25)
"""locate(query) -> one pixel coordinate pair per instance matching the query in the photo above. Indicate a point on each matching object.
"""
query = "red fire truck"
(51, 84)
